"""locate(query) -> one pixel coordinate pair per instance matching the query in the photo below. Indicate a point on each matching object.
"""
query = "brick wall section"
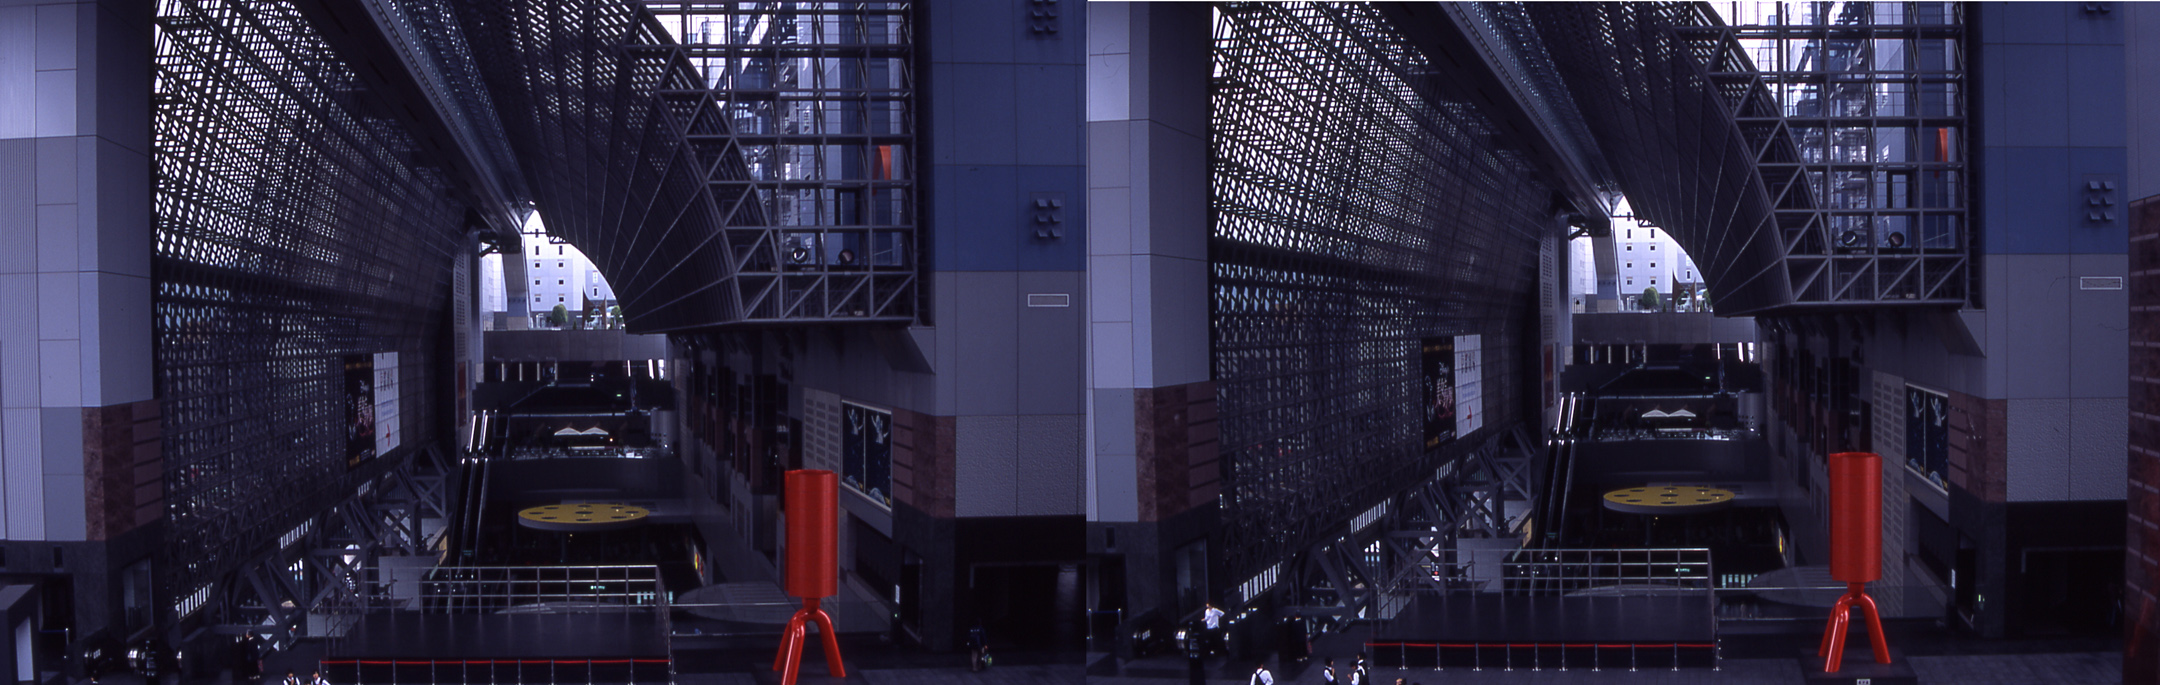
(2141, 648)
(923, 462)
(1174, 431)
(123, 468)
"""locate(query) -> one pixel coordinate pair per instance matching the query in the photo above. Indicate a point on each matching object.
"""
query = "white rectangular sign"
(1469, 398)
(386, 402)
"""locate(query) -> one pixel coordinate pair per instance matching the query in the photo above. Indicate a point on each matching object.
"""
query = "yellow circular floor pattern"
(582, 516)
(1669, 499)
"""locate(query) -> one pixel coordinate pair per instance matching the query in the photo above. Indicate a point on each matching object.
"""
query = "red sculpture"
(1855, 551)
(813, 567)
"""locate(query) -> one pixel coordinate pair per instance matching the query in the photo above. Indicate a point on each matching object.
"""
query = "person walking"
(1261, 676)
(978, 649)
(1211, 617)
(1358, 676)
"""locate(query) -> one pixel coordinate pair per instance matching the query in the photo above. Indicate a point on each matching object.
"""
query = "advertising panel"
(359, 409)
(1927, 434)
(866, 451)
(1438, 357)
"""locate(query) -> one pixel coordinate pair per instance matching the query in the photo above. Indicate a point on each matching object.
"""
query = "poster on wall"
(359, 409)
(1927, 434)
(1469, 397)
(387, 430)
(1438, 357)
(866, 451)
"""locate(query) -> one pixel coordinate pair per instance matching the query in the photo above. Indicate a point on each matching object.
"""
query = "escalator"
(1548, 520)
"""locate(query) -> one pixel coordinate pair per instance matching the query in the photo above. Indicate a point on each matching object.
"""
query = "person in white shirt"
(1327, 672)
(1260, 676)
(1212, 618)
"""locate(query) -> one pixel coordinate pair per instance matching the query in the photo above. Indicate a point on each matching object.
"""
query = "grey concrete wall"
(603, 345)
(1147, 117)
(75, 275)
(1631, 327)
(2141, 47)
(1003, 108)
(2051, 112)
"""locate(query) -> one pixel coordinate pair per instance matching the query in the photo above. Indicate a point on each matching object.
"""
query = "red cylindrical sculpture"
(813, 567)
(813, 534)
(1855, 551)
(1855, 517)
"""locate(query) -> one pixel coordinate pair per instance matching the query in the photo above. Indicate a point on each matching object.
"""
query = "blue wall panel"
(2030, 217)
(1005, 103)
(2052, 110)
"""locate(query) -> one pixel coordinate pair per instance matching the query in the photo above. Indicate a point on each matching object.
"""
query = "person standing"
(1358, 676)
(1261, 676)
(1327, 671)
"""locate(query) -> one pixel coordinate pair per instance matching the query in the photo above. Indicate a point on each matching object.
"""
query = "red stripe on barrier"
(489, 662)
(1531, 645)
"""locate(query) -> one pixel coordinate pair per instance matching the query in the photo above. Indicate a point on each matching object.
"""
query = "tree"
(614, 316)
(559, 316)
(1650, 299)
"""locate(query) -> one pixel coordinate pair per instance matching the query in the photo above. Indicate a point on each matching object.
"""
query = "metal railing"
(492, 589)
(1559, 571)
(1473, 574)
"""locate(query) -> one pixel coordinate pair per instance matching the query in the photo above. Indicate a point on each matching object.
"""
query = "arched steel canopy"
(738, 178)
(1778, 211)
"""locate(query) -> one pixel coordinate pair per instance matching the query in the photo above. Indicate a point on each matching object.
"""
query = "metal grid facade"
(720, 162)
(1356, 208)
(293, 227)
(1813, 160)
(1872, 95)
